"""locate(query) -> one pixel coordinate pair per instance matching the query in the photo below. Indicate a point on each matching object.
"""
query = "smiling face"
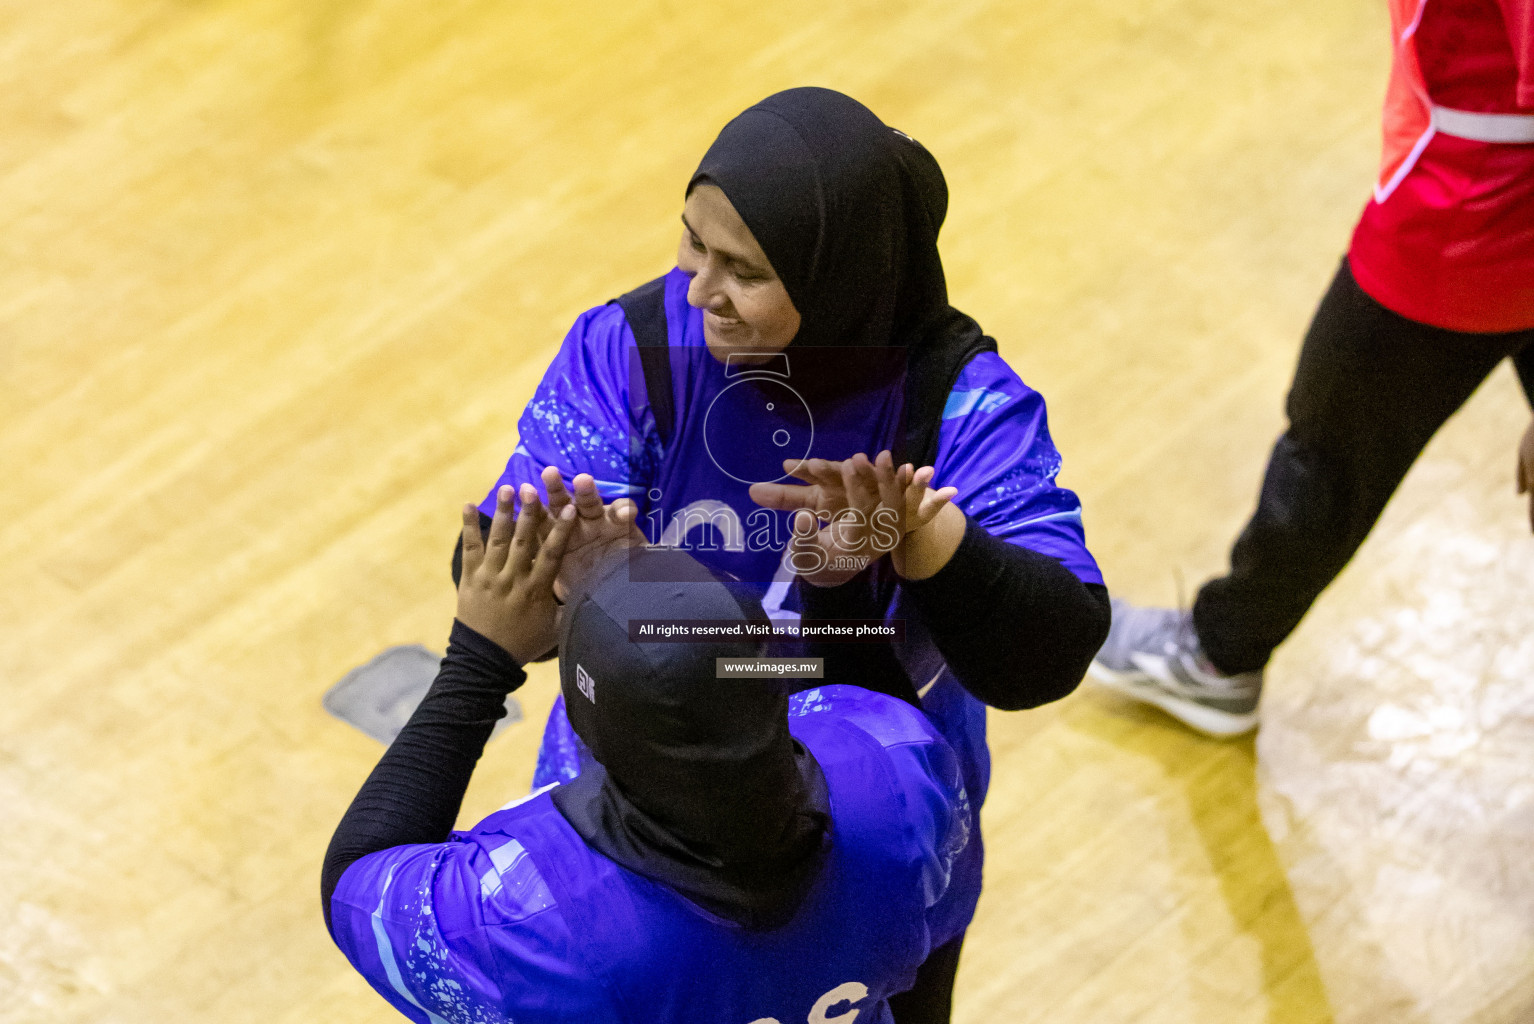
(746, 308)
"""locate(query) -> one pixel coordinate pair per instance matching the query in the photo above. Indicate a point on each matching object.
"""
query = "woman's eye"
(696, 243)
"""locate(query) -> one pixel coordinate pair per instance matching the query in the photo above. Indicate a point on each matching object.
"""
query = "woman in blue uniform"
(805, 328)
(727, 855)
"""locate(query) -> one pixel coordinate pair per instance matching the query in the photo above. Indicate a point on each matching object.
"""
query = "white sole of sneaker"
(1212, 722)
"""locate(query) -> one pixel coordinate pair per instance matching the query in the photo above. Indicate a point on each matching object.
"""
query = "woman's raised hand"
(599, 529)
(595, 522)
(506, 592)
(868, 507)
(912, 493)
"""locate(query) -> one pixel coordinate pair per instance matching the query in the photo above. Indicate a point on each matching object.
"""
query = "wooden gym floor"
(277, 276)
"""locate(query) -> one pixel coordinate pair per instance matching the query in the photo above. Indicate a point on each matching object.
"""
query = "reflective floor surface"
(276, 278)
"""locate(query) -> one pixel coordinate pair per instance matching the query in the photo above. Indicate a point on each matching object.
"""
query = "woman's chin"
(744, 348)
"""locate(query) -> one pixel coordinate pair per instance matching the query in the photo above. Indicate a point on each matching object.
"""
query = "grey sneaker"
(1152, 655)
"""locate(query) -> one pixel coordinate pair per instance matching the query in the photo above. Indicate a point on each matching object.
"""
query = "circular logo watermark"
(757, 423)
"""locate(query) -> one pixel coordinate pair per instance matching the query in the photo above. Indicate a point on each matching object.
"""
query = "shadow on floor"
(1219, 781)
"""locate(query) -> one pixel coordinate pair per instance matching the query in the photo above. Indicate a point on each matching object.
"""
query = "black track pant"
(930, 1000)
(1371, 389)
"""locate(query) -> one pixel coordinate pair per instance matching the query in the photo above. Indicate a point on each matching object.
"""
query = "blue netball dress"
(591, 414)
(517, 920)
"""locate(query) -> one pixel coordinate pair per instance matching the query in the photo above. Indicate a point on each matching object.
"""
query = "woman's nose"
(702, 290)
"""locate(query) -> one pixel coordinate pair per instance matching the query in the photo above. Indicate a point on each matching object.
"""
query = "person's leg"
(1370, 390)
(1523, 362)
(930, 1000)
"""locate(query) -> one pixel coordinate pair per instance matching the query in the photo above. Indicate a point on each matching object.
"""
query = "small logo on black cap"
(585, 684)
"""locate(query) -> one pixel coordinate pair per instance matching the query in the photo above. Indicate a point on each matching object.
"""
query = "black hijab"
(848, 211)
(697, 783)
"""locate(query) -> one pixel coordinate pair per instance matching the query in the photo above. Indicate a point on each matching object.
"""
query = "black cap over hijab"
(847, 211)
(698, 783)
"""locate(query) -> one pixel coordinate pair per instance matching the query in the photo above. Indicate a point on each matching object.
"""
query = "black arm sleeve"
(871, 666)
(414, 793)
(1017, 628)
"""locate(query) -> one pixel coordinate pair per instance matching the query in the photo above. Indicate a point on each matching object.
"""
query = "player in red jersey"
(1436, 289)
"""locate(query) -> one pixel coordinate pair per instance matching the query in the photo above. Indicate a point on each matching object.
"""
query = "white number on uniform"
(851, 992)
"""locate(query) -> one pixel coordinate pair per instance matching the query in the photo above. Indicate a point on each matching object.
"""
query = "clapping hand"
(599, 529)
(506, 592)
(869, 509)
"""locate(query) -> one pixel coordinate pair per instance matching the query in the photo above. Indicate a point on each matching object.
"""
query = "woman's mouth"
(723, 323)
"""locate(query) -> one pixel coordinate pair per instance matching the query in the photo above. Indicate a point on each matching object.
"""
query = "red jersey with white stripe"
(1448, 238)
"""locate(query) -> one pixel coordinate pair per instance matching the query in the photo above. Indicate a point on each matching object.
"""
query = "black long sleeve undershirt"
(414, 793)
(1017, 628)
(873, 666)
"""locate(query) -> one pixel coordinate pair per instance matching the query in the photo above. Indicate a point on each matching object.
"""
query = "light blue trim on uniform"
(386, 951)
(606, 488)
(504, 856)
(981, 400)
(1073, 516)
(514, 871)
(617, 488)
(501, 858)
(519, 801)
